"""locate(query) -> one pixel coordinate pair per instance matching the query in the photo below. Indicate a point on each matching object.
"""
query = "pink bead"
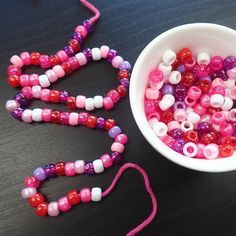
(27, 92)
(73, 118)
(121, 138)
(106, 160)
(32, 182)
(70, 169)
(211, 151)
(218, 90)
(227, 129)
(194, 93)
(52, 77)
(46, 115)
(190, 149)
(63, 204)
(180, 115)
(149, 106)
(114, 95)
(232, 93)
(80, 29)
(154, 115)
(117, 147)
(189, 102)
(44, 61)
(28, 192)
(156, 76)
(108, 103)
(153, 121)
(17, 61)
(27, 116)
(73, 63)
(206, 118)
(24, 80)
(232, 114)
(79, 166)
(14, 70)
(85, 195)
(152, 93)
(200, 110)
(104, 51)
(58, 71)
(45, 95)
(173, 125)
(217, 82)
(218, 118)
(168, 140)
(12, 105)
(189, 66)
(53, 209)
(25, 57)
(33, 79)
(80, 101)
(201, 148)
(36, 91)
(117, 61)
(205, 100)
(202, 70)
(62, 56)
(216, 63)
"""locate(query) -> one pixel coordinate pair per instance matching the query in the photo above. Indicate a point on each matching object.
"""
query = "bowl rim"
(217, 165)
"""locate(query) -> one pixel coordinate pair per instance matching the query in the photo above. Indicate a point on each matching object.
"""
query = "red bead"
(56, 116)
(54, 96)
(209, 138)
(74, 45)
(60, 168)
(42, 209)
(14, 81)
(187, 79)
(109, 124)
(226, 150)
(71, 103)
(73, 197)
(204, 85)
(175, 64)
(212, 110)
(184, 55)
(35, 58)
(232, 142)
(54, 60)
(167, 116)
(35, 200)
(191, 136)
(122, 90)
(123, 74)
(66, 67)
(91, 122)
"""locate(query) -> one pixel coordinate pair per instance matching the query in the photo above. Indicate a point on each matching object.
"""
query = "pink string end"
(150, 218)
(93, 9)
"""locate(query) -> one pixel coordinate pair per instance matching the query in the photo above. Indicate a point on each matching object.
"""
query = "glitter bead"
(203, 127)
(111, 54)
(229, 62)
(63, 96)
(216, 63)
(89, 170)
(178, 145)
(100, 123)
(202, 70)
(226, 150)
(116, 157)
(17, 113)
(180, 92)
(50, 170)
(176, 133)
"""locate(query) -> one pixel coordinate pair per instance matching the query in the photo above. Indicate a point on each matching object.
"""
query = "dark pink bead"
(114, 95)
(65, 118)
(83, 118)
(14, 70)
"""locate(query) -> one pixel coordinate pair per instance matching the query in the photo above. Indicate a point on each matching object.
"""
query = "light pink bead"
(70, 169)
(80, 29)
(200, 148)
(73, 118)
(173, 125)
(232, 114)
(200, 110)
(36, 91)
(205, 100)
(218, 118)
(63, 204)
(79, 166)
(80, 101)
(106, 160)
(180, 115)
(31, 181)
(218, 90)
(28, 192)
(25, 57)
(33, 79)
(17, 61)
(189, 102)
(116, 61)
(121, 138)
(194, 93)
(52, 77)
(44, 61)
(190, 149)
(206, 118)
(27, 116)
(45, 95)
(58, 71)
(152, 93)
(232, 73)
(217, 82)
(85, 195)
(108, 103)
(154, 115)
(227, 129)
(211, 151)
(27, 92)
(62, 56)
(104, 51)
(24, 80)
(12, 105)
(117, 147)
(53, 209)
(232, 93)
(46, 115)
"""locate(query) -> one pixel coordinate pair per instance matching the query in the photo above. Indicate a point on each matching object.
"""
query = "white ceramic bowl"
(199, 37)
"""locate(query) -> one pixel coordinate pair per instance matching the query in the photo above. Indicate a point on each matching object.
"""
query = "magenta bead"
(202, 70)
(149, 106)
(108, 103)
(25, 57)
(14, 70)
(62, 56)
(216, 63)
(85, 195)
(44, 61)
(114, 95)
(227, 129)
(27, 92)
(194, 93)
(106, 160)
(24, 80)
(83, 118)
(31, 181)
(218, 118)
(121, 138)
(63, 204)
(70, 169)
(156, 76)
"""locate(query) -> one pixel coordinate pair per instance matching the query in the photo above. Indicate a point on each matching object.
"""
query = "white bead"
(12, 105)
(211, 151)
(28, 192)
(168, 57)
(193, 117)
(165, 69)
(152, 121)
(96, 54)
(89, 104)
(174, 77)
(169, 96)
(192, 152)
(230, 83)
(228, 104)
(27, 113)
(186, 126)
(203, 58)
(43, 81)
(226, 113)
(79, 166)
(36, 91)
(98, 166)
(37, 114)
(98, 101)
(160, 129)
(166, 102)
(217, 100)
(81, 58)
(96, 194)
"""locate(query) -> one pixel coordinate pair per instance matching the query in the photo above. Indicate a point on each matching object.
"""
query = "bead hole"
(190, 149)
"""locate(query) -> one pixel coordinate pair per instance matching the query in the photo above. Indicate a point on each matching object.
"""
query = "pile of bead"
(189, 103)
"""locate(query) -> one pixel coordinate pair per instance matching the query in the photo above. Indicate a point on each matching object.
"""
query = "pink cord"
(93, 9)
(148, 220)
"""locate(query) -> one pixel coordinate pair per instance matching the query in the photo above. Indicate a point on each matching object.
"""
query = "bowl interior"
(200, 37)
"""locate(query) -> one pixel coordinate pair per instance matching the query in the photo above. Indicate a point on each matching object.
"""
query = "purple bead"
(125, 65)
(220, 74)
(124, 82)
(89, 169)
(111, 54)
(116, 157)
(24, 102)
(176, 133)
(39, 173)
(65, 118)
(180, 92)
(50, 170)
(88, 54)
(181, 69)
(178, 145)
(63, 96)
(114, 131)
(100, 123)
(203, 127)
(208, 78)
(167, 89)
(179, 105)
(17, 113)
(77, 36)
(69, 51)
(87, 26)
(229, 62)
